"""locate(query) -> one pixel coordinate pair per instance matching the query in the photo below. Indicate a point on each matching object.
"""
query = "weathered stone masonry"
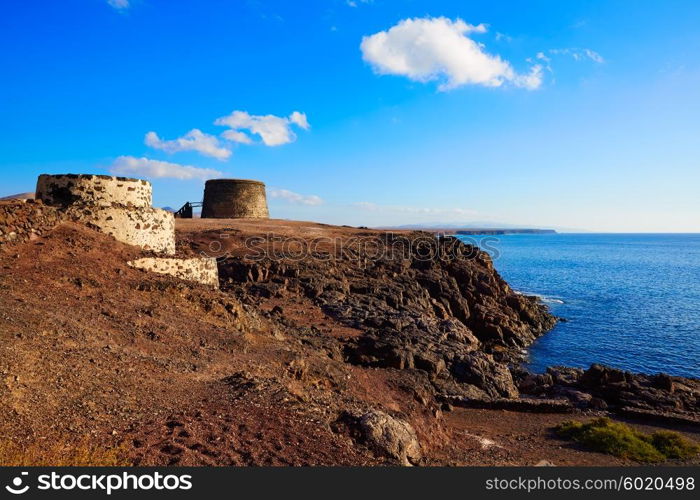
(202, 270)
(102, 190)
(234, 198)
(117, 206)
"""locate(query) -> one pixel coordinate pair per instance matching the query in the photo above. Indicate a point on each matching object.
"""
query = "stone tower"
(115, 205)
(234, 199)
(121, 207)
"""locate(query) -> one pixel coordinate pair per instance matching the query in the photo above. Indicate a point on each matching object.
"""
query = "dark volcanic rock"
(481, 370)
(602, 387)
(564, 375)
(421, 303)
(529, 405)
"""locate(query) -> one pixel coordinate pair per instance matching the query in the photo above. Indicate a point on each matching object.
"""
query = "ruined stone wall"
(233, 199)
(23, 220)
(115, 205)
(149, 228)
(201, 270)
(102, 190)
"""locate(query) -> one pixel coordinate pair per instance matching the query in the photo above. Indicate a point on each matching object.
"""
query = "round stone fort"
(234, 199)
(103, 190)
(115, 205)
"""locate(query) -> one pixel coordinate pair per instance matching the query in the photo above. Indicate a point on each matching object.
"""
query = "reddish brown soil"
(181, 374)
(523, 439)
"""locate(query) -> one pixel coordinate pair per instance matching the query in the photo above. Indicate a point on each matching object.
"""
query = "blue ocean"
(631, 301)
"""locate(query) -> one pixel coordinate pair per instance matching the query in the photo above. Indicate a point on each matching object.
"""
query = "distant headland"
(476, 230)
(502, 231)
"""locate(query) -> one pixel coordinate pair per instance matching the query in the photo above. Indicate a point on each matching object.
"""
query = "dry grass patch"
(615, 438)
(57, 453)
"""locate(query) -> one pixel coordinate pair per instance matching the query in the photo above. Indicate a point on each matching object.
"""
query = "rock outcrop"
(600, 387)
(421, 303)
(388, 436)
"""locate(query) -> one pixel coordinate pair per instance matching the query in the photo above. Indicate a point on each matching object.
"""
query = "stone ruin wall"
(234, 198)
(201, 270)
(100, 190)
(115, 205)
(149, 228)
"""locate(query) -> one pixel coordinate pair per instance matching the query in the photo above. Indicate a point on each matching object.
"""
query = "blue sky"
(542, 113)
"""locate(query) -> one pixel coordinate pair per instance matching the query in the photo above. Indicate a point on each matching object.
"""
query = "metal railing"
(186, 211)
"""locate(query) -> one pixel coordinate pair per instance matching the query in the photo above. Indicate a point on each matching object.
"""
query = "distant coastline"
(478, 231)
(502, 231)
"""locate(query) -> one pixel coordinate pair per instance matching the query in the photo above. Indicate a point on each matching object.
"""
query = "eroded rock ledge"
(447, 313)
(655, 397)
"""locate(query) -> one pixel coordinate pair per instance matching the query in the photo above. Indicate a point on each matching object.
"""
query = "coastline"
(321, 346)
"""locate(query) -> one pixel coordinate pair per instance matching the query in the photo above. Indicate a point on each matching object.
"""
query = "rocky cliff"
(436, 306)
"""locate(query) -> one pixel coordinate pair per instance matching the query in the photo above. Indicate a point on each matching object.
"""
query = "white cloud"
(373, 207)
(273, 130)
(427, 49)
(237, 136)
(579, 54)
(194, 140)
(504, 37)
(119, 4)
(299, 119)
(593, 55)
(295, 198)
(531, 80)
(542, 57)
(155, 169)
(355, 3)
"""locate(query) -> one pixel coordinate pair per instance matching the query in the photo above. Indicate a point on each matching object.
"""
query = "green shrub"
(569, 429)
(673, 445)
(605, 436)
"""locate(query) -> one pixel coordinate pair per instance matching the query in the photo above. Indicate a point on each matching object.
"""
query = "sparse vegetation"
(673, 445)
(615, 438)
(61, 453)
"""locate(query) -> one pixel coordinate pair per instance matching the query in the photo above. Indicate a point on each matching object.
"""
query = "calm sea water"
(632, 301)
